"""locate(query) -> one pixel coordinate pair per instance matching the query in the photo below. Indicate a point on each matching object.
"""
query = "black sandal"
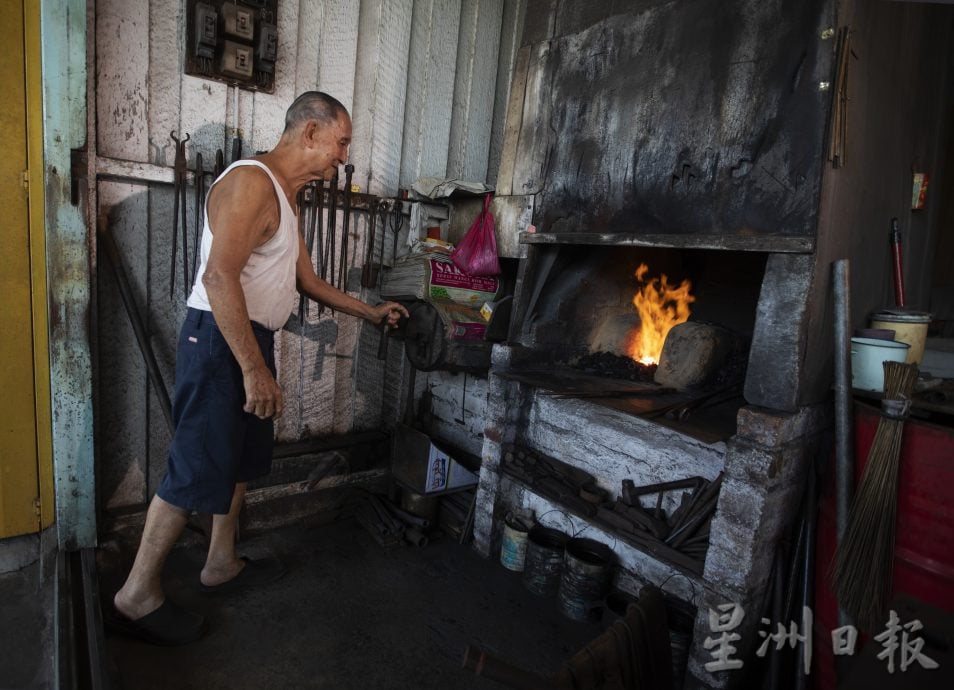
(167, 626)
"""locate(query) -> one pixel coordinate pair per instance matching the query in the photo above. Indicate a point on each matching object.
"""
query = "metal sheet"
(689, 117)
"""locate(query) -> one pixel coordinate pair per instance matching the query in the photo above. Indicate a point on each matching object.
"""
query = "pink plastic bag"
(476, 254)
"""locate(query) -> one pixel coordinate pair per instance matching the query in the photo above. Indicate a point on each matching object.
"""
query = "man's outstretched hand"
(389, 312)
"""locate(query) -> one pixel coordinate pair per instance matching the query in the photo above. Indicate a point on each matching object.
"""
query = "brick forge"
(765, 462)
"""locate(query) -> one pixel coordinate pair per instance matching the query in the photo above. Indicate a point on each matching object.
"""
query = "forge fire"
(660, 307)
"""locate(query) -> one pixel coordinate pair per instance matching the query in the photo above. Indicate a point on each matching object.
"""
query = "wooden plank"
(122, 72)
(271, 493)
(511, 30)
(380, 84)
(474, 88)
(514, 123)
(133, 171)
(533, 141)
(774, 244)
(430, 89)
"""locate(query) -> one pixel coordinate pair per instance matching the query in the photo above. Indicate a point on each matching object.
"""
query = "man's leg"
(142, 592)
(223, 563)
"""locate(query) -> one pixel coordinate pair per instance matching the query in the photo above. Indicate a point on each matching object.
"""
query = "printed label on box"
(443, 473)
(437, 470)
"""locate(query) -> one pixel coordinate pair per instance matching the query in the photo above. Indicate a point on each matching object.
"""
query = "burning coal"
(660, 306)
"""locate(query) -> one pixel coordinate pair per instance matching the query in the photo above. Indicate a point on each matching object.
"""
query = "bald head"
(313, 105)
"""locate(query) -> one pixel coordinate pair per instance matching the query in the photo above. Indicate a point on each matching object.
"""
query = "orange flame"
(661, 306)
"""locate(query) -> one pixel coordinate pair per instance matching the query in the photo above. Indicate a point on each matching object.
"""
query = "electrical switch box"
(238, 21)
(236, 60)
(233, 41)
(266, 51)
(206, 30)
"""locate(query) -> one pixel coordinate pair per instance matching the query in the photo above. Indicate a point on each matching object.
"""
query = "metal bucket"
(513, 550)
(544, 562)
(585, 579)
(909, 327)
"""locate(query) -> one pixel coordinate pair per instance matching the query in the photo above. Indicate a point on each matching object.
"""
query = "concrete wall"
(424, 80)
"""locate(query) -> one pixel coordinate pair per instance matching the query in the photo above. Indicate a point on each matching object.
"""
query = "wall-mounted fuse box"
(233, 41)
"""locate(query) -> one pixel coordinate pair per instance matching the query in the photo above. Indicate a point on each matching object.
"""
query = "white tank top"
(268, 279)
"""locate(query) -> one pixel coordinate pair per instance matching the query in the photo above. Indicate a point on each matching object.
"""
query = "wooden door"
(25, 445)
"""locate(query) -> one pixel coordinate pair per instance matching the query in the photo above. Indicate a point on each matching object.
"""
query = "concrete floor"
(26, 628)
(349, 614)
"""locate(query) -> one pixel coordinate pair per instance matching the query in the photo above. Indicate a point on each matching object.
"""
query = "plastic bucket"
(513, 549)
(868, 356)
(909, 327)
(544, 561)
(585, 579)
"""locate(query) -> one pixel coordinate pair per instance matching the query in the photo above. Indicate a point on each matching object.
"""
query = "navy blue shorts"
(216, 444)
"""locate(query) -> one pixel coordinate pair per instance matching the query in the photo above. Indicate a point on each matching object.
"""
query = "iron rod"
(844, 461)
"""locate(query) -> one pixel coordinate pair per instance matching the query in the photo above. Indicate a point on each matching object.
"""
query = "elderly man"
(253, 260)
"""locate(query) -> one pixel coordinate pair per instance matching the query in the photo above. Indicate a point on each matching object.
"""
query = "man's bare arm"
(243, 213)
(319, 290)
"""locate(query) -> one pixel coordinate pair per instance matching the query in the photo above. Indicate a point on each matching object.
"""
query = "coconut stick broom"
(864, 562)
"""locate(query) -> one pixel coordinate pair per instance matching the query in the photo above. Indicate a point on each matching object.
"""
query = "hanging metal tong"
(179, 206)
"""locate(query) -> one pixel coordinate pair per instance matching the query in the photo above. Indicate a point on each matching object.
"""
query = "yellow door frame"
(26, 454)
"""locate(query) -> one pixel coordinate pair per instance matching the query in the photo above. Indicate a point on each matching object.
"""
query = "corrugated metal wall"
(427, 84)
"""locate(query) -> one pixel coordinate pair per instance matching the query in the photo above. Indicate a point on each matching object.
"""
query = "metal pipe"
(332, 224)
(410, 519)
(345, 223)
(482, 664)
(844, 458)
